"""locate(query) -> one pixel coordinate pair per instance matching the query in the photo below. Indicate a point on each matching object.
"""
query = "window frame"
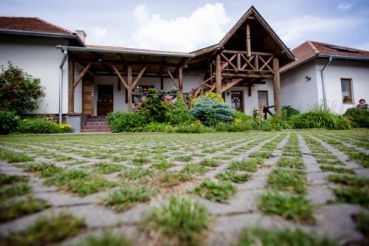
(351, 92)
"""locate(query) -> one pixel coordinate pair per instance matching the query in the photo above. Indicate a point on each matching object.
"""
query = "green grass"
(169, 179)
(360, 157)
(18, 209)
(62, 158)
(215, 191)
(233, 176)
(183, 158)
(354, 195)
(180, 220)
(289, 206)
(261, 154)
(135, 173)
(287, 180)
(249, 165)
(13, 157)
(45, 170)
(291, 163)
(362, 222)
(350, 180)
(46, 231)
(108, 168)
(107, 239)
(11, 179)
(194, 169)
(119, 158)
(126, 196)
(210, 162)
(14, 190)
(296, 237)
(162, 165)
(139, 161)
(330, 168)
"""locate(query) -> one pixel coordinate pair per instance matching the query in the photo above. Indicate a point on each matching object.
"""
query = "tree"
(19, 91)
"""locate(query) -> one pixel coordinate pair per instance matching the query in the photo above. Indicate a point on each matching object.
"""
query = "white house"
(325, 75)
(85, 82)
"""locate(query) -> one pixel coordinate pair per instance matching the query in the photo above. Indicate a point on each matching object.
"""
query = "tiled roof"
(31, 24)
(128, 48)
(311, 49)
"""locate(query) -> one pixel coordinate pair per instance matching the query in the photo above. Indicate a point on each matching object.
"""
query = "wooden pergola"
(129, 65)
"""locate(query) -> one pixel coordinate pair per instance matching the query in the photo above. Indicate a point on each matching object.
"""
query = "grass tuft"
(287, 180)
(107, 239)
(215, 191)
(18, 209)
(233, 176)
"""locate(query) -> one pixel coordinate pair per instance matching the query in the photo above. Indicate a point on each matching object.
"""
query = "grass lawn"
(176, 188)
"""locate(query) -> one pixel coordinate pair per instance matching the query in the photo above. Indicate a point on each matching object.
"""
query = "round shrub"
(288, 112)
(210, 112)
(156, 109)
(359, 117)
(211, 95)
(8, 122)
(180, 114)
(320, 118)
(38, 125)
(127, 121)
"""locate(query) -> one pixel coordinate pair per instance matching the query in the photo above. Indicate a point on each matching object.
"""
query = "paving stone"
(319, 195)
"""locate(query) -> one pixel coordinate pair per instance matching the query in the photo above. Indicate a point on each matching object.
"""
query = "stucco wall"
(357, 71)
(297, 91)
(40, 58)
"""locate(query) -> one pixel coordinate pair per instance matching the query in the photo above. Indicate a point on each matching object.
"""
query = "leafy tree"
(19, 91)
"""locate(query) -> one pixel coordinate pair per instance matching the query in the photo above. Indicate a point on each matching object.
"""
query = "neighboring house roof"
(310, 50)
(34, 26)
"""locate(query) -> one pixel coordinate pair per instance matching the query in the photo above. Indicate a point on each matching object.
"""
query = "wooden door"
(237, 100)
(88, 96)
(105, 99)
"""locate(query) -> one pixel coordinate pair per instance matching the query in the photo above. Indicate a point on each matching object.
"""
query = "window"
(346, 88)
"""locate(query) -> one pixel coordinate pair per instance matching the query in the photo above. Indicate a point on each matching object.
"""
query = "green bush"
(8, 122)
(180, 114)
(195, 127)
(38, 125)
(320, 118)
(358, 117)
(210, 112)
(19, 92)
(288, 112)
(156, 109)
(127, 121)
(157, 127)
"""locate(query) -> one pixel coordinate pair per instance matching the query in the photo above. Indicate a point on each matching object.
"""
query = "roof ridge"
(313, 47)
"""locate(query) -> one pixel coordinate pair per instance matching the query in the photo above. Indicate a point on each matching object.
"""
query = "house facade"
(82, 81)
(327, 75)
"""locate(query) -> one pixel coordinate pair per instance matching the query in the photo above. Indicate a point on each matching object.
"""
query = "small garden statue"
(362, 104)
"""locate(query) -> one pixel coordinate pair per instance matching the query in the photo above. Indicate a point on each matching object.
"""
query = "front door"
(237, 100)
(105, 99)
(87, 95)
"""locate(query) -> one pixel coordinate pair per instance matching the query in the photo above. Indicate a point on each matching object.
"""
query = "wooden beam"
(84, 71)
(137, 79)
(129, 89)
(124, 82)
(218, 75)
(248, 40)
(230, 85)
(276, 86)
(180, 81)
(173, 79)
(71, 85)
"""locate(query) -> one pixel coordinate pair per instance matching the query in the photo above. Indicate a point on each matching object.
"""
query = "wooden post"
(70, 86)
(129, 89)
(248, 40)
(276, 86)
(218, 75)
(180, 81)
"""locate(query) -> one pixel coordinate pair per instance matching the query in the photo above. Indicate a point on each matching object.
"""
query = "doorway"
(237, 100)
(105, 99)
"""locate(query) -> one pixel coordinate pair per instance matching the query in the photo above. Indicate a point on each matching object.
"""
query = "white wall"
(297, 91)
(357, 71)
(251, 102)
(40, 58)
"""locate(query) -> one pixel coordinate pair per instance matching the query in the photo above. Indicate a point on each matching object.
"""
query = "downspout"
(323, 84)
(61, 86)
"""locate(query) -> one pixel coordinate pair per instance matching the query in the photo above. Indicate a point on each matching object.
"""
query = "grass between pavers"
(287, 205)
(233, 176)
(139, 161)
(11, 179)
(166, 179)
(249, 165)
(362, 223)
(353, 195)
(13, 190)
(291, 163)
(13, 157)
(21, 208)
(106, 239)
(350, 180)
(330, 168)
(215, 191)
(210, 162)
(46, 231)
(162, 165)
(296, 237)
(287, 180)
(183, 158)
(108, 168)
(127, 196)
(194, 169)
(43, 169)
(178, 222)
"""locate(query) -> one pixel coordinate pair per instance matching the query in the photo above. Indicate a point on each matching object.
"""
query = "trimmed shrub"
(156, 109)
(38, 125)
(180, 114)
(359, 117)
(127, 121)
(210, 112)
(320, 118)
(8, 122)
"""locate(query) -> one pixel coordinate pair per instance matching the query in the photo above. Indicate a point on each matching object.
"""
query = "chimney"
(82, 35)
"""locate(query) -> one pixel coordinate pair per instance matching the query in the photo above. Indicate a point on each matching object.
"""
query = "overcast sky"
(186, 25)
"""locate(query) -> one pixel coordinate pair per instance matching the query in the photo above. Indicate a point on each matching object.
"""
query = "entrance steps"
(96, 124)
